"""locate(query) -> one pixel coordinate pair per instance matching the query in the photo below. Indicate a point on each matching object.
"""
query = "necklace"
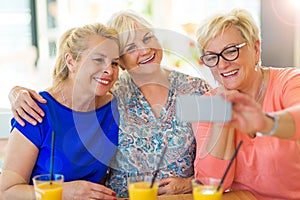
(261, 86)
(63, 97)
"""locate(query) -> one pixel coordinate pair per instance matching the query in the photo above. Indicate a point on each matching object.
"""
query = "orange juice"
(205, 192)
(142, 191)
(47, 191)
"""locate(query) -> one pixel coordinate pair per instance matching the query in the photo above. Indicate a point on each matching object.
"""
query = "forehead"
(104, 46)
(230, 36)
(136, 34)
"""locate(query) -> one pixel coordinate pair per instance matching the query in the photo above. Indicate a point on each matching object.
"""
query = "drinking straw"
(52, 156)
(158, 165)
(229, 165)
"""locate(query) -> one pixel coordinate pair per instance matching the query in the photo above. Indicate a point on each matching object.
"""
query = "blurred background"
(29, 30)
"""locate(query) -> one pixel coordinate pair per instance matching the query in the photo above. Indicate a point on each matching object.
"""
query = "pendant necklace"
(261, 86)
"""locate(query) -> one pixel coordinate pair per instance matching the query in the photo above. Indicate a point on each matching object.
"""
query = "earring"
(256, 67)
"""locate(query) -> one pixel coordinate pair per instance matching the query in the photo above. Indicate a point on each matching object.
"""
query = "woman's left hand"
(175, 185)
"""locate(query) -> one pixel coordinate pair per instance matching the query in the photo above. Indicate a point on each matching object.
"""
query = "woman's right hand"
(84, 190)
(23, 105)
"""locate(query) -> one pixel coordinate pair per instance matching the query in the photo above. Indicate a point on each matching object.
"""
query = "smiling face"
(240, 73)
(142, 52)
(98, 66)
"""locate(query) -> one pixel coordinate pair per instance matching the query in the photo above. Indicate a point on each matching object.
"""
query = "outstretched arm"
(23, 105)
(245, 109)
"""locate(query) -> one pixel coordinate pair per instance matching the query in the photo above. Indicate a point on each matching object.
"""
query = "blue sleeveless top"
(84, 141)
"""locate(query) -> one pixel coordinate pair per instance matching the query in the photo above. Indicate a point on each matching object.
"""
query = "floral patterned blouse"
(142, 136)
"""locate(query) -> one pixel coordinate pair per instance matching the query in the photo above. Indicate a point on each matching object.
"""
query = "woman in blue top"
(83, 114)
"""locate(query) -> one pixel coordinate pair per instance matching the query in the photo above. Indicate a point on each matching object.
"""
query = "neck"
(157, 78)
(76, 100)
(255, 86)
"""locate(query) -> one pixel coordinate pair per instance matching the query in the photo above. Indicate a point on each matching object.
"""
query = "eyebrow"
(103, 55)
(99, 54)
(227, 46)
(149, 33)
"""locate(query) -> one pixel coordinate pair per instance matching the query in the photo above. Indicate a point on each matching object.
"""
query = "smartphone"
(193, 108)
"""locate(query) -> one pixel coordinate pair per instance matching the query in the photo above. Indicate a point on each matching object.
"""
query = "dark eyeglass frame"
(237, 46)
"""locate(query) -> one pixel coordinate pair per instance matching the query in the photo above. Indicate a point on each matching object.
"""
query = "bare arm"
(18, 163)
(23, 105)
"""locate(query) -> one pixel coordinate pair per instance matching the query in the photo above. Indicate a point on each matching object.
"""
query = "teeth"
(102, 81)
(143, 62)
(229, 73)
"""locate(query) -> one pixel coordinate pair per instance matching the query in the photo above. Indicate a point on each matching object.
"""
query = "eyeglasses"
(229, 54)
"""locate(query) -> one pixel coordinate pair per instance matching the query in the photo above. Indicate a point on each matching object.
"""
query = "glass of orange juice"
(206, 189)
(139, 186)
(46, 189)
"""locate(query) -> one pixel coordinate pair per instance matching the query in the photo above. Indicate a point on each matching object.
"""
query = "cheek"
(215, 71)
(160, 53)
(129, 60)
(116, 73)
(216, 74)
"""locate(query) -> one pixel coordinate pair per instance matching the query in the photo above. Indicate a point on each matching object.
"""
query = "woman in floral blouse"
(146, 94)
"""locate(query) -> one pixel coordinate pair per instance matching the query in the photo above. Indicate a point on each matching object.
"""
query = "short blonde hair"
(241, 19)
(126, 22)
(75, 41)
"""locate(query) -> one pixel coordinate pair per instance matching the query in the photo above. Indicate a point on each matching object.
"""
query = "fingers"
(164, 190)
(29, 105)
(23, 106)
(33, 109)
(98, 195)
(18, 118)
(168, 186)
(164, 181)
(102, 192)
(37, 97)
(21, 113)
(87, 190)
(168, 189)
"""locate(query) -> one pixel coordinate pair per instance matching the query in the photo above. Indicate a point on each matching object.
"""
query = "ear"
(70, 62)
(257, 49)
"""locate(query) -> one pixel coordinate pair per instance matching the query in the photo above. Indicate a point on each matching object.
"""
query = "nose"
(222, 63)
(143, 48)
(109, 69)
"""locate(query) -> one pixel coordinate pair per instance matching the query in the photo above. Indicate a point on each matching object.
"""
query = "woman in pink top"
(265, 112)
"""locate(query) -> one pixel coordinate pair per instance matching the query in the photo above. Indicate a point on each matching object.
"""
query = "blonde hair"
(74, 41)
(126, 22)
(241, 19)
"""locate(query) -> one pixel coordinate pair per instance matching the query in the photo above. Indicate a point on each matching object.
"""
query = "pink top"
(267, 166)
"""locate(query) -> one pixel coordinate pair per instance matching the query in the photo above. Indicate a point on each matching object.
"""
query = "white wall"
(5, 117)
(280, 26)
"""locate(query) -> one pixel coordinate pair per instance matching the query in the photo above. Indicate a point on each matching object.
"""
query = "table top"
(237, 195)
